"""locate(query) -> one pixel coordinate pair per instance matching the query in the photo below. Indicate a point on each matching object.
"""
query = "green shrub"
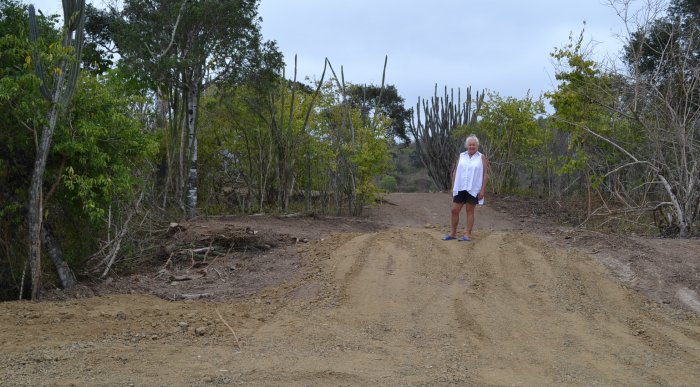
(388, 183)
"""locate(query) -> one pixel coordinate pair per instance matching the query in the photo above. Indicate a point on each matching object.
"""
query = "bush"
(388, 183)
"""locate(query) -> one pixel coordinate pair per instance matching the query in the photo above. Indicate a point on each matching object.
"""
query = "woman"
(468, 186)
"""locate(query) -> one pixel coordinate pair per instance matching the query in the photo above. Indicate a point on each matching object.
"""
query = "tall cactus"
(59, 95)
(434, 138)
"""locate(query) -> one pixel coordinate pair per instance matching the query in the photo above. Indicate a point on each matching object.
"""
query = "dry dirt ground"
(380, 300)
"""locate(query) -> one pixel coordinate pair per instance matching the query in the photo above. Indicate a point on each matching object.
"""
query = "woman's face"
(471, 146)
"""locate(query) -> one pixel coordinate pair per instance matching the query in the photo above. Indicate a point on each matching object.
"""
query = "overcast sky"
(500, 45)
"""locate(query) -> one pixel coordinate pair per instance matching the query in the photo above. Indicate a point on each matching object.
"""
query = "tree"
(646, 116)
(99, 51)
(580, 102)
(665, 100)
(184, 47)
(511, 133)
(264, 146)
(20, 107)
(435, 140)
(389, 103)
(260, 137)
(104, 158)
(57, 86)
(351, 152)
(94, 168)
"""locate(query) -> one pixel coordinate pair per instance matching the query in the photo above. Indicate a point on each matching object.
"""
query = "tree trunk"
(166, 119)
(307, 206)
(36, 199)
(192, 101)
(62, 90)
(53, 250)
(181, 157)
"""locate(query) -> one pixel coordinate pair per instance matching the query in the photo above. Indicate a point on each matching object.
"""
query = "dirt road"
(392, 306)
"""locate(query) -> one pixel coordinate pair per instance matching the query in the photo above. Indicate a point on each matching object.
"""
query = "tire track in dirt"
(553, 316)
(504, 309)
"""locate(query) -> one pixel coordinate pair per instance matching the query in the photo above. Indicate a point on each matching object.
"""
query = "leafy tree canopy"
(390, 103)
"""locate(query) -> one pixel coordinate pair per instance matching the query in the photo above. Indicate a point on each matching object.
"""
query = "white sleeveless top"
(470, 174)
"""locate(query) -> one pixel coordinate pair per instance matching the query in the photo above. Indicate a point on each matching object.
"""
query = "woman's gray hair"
(471, 137)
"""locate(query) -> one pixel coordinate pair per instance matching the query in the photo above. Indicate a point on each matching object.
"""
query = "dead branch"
(178, 278)
(117, 241)
(238, 343)
(206, 251)
(21, 283)
(168, 261)
(202, 250)
(221, 277)
(196, 296)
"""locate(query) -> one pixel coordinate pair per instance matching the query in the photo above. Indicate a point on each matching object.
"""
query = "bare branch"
(172, 35)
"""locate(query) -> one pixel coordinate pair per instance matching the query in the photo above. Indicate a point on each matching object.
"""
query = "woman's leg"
(470, 219)
(456, 209)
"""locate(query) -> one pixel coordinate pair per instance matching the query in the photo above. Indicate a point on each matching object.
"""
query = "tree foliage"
(96, 159)
(179, 49)
(388, 102)
(294, 141)
(588, 98)
(641, 123)
(511, 132)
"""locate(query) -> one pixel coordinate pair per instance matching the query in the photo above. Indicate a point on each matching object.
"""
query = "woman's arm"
(485, 164)
(454, 173)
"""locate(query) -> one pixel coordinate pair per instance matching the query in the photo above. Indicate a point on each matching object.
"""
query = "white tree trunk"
(192, 102)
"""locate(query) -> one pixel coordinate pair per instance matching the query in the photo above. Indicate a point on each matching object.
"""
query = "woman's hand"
(480, 195)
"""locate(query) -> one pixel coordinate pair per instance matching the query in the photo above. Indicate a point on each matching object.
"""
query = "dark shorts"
(463, 197)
